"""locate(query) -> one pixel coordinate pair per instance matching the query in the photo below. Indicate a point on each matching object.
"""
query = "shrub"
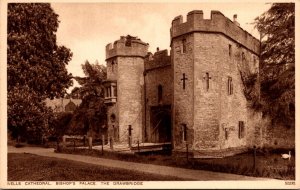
(19, 145)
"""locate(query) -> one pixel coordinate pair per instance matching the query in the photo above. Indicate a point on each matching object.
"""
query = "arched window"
(159, 93)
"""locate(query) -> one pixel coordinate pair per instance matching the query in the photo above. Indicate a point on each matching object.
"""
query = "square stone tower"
(210, 110)
(124, 88)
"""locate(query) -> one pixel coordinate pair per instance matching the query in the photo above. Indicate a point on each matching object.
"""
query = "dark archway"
(160, 129)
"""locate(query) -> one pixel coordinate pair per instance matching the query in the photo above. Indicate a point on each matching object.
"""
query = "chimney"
(157, 49)
(235, 20)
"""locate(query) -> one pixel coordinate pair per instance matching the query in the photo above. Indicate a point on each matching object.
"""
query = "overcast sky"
(86, 28)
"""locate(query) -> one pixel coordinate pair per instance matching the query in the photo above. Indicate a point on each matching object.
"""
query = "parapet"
(217, 24)
(127, 46)
(157, 60)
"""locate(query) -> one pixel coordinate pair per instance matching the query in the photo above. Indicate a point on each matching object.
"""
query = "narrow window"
(112, 66)
(254, 60)
(184, 133)
(115, 91)
(226, 133)
(243, 57)
(184, 46)
(108, 92)
(229, 50)
(241, 129)
(159, 93)
(116, 132)
(230, 86)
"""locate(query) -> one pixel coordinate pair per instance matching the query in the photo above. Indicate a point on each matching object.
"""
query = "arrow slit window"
(184, 46)
(230, 86)
(184, 132)
(160, 92)
(241, 129)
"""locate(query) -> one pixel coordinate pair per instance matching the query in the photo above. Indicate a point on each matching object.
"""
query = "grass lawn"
(268, 164)
(29, 167)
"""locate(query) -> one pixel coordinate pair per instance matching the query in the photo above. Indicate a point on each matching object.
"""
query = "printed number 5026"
(290, 183)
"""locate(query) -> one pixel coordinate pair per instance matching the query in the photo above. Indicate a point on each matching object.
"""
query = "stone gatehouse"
(191, 96)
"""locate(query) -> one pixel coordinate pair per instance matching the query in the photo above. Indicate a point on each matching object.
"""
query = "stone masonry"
(158, 74)
(212, 56)
(127, 57)
(194, 96)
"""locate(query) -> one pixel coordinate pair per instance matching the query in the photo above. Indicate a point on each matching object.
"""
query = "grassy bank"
(28, 167)
(268, 164)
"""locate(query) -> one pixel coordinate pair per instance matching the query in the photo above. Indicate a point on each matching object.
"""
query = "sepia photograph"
(148, 94)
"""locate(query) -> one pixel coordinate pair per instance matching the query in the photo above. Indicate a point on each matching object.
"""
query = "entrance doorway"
(160, 124)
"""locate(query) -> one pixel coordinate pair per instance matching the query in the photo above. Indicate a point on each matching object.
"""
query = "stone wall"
(130, 96)
(159, 59)
(127, 54)
(217, 24)
(207, 105)
(183, 63)
(218, 49)
(234, 107)
(112, 109)
(153, 78)
(158, 73)
(119, 48)
(112, 69)
(278, 136)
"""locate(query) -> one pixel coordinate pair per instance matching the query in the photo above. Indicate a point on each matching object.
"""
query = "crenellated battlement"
(127, 46)
(217, 24)
(158, 59)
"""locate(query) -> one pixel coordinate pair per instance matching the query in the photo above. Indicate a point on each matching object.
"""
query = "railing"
(155, 128)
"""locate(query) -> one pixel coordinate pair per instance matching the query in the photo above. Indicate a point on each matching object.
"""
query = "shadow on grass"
(268, 162)
(29, 167)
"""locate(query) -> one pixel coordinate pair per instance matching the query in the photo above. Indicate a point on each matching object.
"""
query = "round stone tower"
(124, 88)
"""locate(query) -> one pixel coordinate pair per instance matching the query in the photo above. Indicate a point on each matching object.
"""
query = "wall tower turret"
(125, 67)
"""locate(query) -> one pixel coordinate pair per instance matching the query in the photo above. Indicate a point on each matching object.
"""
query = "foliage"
(26, 115)
(251, 89)
(91, 114)
(60, 124)
(277, 28)
(35, 67)
(250, 79)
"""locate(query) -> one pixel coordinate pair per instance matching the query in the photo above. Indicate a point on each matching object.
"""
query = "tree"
(91, 114)
(60, 125)
(36, 66)
(277, 29)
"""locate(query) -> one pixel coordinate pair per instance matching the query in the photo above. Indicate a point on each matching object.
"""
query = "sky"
(86, 28)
